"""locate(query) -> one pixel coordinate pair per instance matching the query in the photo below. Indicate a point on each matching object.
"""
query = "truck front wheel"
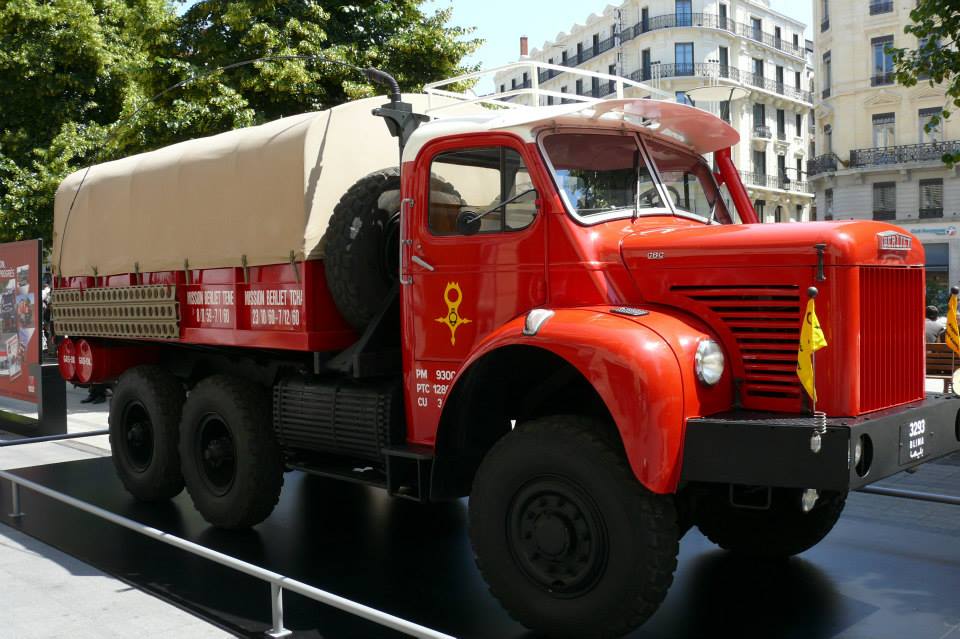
(231, 462)
(566, 537)
(144, 420)
(780, 531)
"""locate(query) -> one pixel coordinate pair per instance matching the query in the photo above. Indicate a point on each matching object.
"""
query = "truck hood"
(749, 246)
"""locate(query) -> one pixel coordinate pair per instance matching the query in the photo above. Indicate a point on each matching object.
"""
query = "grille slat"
(765, 321)
(891, 336)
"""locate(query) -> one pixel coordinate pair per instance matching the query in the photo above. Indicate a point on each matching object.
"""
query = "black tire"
(144, 432)
(231, 461)
(781, 531)
(566, 537)
(362, 250)
(361, 254)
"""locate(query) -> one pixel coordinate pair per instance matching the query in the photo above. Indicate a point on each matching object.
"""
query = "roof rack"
(531, 94)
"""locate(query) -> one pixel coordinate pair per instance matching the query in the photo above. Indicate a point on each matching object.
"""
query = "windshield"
(602, 173)
(688, 181)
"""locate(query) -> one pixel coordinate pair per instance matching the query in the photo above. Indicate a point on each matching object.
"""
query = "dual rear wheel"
(217, 441)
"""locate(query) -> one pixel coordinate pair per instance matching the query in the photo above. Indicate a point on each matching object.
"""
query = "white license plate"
(914, 438)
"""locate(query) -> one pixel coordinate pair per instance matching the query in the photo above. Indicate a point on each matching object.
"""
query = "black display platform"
(888, 571)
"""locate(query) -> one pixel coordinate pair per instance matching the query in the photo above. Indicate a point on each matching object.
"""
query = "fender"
(643, 370)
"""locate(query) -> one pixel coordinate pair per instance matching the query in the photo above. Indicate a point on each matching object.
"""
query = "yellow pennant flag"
(811, 341)
(952, 336)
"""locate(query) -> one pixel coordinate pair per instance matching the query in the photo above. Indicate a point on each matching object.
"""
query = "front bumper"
(767, 449)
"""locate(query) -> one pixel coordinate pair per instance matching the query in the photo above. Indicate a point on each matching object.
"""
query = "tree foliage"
(76, 77)
(936, 59)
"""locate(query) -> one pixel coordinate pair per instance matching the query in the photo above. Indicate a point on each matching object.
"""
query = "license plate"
(913, 441)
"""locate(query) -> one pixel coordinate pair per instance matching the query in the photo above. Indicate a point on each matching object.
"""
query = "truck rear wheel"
(783, 530)
(567, 538)
(231, 462)
(144, 431)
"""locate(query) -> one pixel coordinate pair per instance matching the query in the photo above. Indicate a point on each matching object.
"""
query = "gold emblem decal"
(453, 319)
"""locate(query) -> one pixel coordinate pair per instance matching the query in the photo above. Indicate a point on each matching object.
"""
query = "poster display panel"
(20, 317)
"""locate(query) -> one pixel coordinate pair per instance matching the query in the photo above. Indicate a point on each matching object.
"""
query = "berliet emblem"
(893, 241)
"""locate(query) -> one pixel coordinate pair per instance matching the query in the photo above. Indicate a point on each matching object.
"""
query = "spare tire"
(361, 255)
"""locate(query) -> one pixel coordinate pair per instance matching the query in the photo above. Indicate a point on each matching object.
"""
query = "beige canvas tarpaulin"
(259, 193)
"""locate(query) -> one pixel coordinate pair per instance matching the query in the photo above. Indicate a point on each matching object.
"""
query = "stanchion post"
(15, 500)
(276, 604)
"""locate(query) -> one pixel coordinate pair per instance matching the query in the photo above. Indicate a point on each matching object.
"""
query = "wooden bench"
(941, 362)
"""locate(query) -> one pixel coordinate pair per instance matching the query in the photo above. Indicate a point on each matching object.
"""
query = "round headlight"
(709, 362)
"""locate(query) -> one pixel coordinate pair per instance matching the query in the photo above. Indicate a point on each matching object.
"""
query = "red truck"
(552, 310)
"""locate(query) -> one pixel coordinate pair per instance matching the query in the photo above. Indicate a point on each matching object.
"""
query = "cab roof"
(695, 128)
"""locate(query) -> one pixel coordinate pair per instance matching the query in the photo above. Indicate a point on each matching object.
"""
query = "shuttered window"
(931, 198)
(884, 200)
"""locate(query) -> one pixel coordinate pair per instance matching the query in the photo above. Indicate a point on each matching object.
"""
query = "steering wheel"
(652, 193)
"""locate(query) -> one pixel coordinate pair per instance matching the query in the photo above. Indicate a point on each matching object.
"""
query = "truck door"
(461, 285)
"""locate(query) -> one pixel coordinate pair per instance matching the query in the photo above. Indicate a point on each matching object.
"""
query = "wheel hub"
(137, 437)
(216, 454)
(557, 535)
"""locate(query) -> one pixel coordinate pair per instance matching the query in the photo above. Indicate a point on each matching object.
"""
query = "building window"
(760, 166)
(781, 124)
(782, 180)
(683, 98)
(799, 169)
(758, 67)
(563, 100)
(796, 44)
(883, 129)
(779, 76)
(778, 214)
(513, 83)
(828, 204)
(725, 111)
(503, 88)
(931, 198)
(645, 65)
(757, 27)
(936, 130)
(684, 9)
(827, 77)
(796, 80)
(595, 48)
(885, 200)
(827, 138)
(723, 16)
(645, 19)
(799, 124)
(579, 52)
(563, 58)
(882, 61)
(880, 6)
(760, 129)
(595, 87)
(758, 206)
(683, 56)
(724, 62)
(824, 15)
(799, 217)
(579, 87)
(549, 100)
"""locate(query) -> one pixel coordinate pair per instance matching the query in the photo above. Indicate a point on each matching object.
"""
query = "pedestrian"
(933, 330)
(96, 394)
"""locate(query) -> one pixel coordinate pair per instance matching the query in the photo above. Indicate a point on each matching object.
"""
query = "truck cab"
(566, 313)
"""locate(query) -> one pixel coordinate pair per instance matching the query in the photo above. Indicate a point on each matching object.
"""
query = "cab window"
(478, 181)
(688, 181)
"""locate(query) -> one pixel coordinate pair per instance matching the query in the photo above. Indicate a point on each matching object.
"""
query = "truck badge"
(453, 296)
(893, 241)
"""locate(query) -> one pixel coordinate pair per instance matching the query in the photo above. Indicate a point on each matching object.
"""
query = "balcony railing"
(881, 6)
(929, 152)
(754, 178)
(761, 132)
(768, 84)
(822, 164)
(931, 212)
(679, 20)
(881, 79)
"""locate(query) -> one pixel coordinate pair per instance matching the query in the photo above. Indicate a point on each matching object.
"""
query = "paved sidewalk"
(49, 595)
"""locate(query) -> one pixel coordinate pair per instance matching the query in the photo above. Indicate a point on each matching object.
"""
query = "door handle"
(416, 259)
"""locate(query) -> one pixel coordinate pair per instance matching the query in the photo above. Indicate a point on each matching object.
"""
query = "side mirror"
(468, 223)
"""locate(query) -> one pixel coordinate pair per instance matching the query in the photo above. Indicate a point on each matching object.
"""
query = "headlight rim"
(709, 366)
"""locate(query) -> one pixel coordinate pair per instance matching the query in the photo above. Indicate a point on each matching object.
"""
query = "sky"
(501, 22)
